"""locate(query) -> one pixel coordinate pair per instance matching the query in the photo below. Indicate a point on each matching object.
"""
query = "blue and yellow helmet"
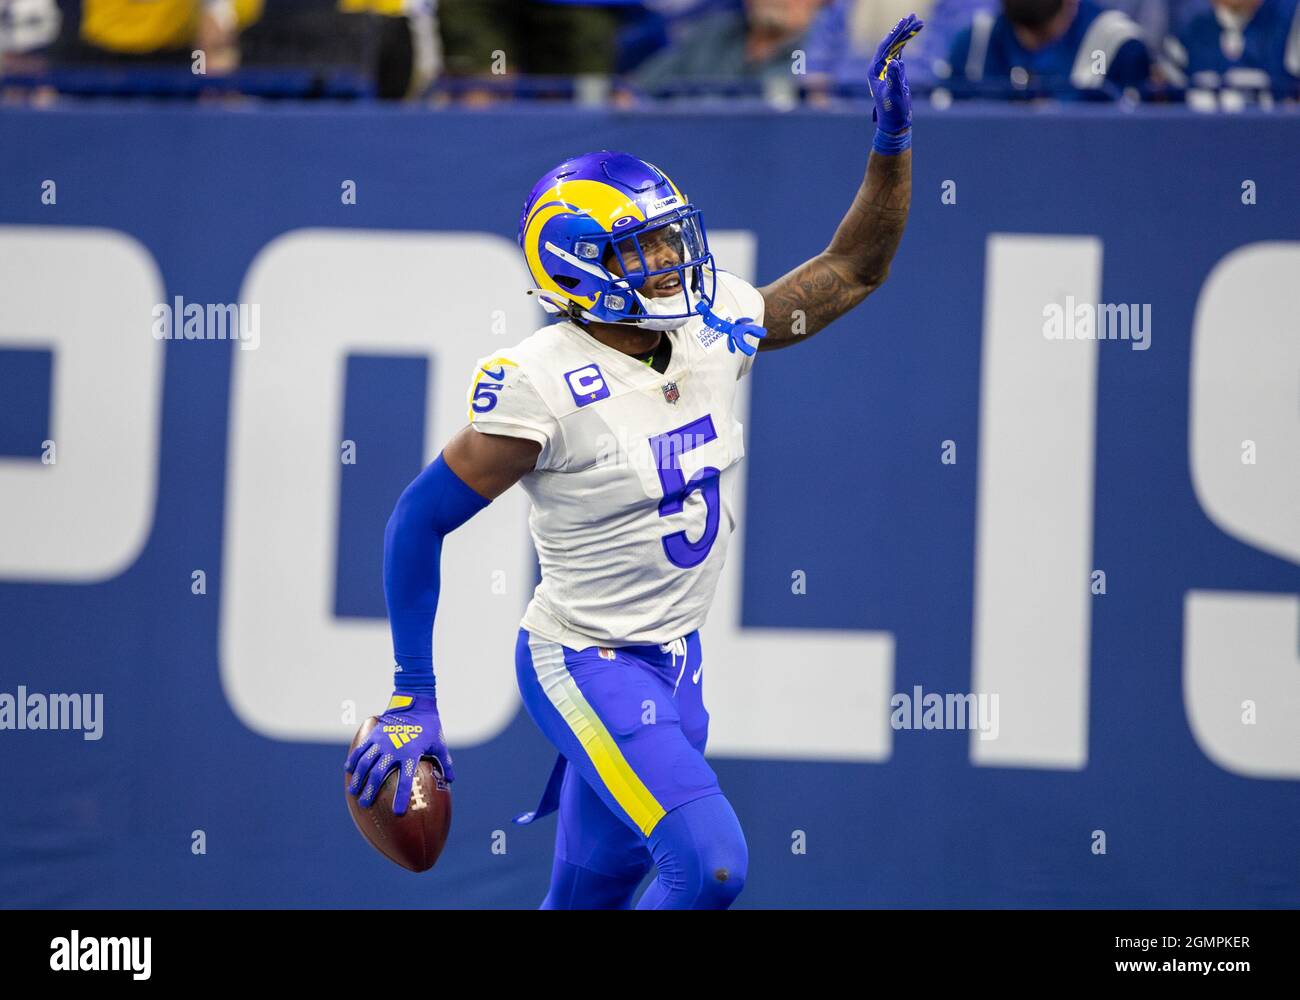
(603, 210)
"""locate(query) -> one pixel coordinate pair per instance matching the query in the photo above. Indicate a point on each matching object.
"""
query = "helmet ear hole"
(565, 280)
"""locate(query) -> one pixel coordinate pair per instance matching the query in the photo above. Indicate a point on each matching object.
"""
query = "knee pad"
(701, 853)
(722, 876)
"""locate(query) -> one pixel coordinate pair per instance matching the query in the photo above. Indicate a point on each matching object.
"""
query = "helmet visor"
(663, 261)
(658, 249)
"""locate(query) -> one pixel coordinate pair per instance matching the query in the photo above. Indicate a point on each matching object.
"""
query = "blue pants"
(634, 789)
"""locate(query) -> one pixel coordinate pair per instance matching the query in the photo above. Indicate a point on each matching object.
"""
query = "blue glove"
(735, 330)
(893, 110)
(408, 730)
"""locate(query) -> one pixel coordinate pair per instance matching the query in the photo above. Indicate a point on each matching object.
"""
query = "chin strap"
(736, 330)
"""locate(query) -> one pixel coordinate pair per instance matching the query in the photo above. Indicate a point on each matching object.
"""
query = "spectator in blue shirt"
(756, 42)
(1061, 46)
(1246, 45)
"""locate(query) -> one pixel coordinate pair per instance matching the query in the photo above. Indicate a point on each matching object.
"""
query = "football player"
(619, 421)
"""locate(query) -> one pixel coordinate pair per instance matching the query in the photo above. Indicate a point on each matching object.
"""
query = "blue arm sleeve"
(436, 502)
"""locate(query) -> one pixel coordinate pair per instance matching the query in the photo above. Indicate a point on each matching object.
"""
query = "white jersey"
(631, 496)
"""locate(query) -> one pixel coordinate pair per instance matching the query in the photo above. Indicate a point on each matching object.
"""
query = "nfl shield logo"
(670, 392)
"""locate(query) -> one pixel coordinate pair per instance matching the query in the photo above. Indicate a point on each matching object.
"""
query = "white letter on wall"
(1033, 547)
(86, 295)
(1245, 383)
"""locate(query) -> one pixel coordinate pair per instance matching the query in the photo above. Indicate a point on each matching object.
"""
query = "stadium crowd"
(1211, 53)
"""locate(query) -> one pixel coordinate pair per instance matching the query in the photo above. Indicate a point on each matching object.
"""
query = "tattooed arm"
(858, 258)
(855, 264)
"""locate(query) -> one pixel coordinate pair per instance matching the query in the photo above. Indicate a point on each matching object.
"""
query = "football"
(413, 840)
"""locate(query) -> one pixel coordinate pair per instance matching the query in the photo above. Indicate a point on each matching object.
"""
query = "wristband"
(891, 144)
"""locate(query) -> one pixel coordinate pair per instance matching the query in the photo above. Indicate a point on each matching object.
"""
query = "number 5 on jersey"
(668, 449)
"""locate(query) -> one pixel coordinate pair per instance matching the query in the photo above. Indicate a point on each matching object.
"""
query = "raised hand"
(893, 111)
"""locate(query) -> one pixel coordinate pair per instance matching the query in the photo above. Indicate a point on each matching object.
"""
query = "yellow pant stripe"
(618, 776)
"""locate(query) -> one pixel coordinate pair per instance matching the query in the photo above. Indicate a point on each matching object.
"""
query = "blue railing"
(351, 84)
